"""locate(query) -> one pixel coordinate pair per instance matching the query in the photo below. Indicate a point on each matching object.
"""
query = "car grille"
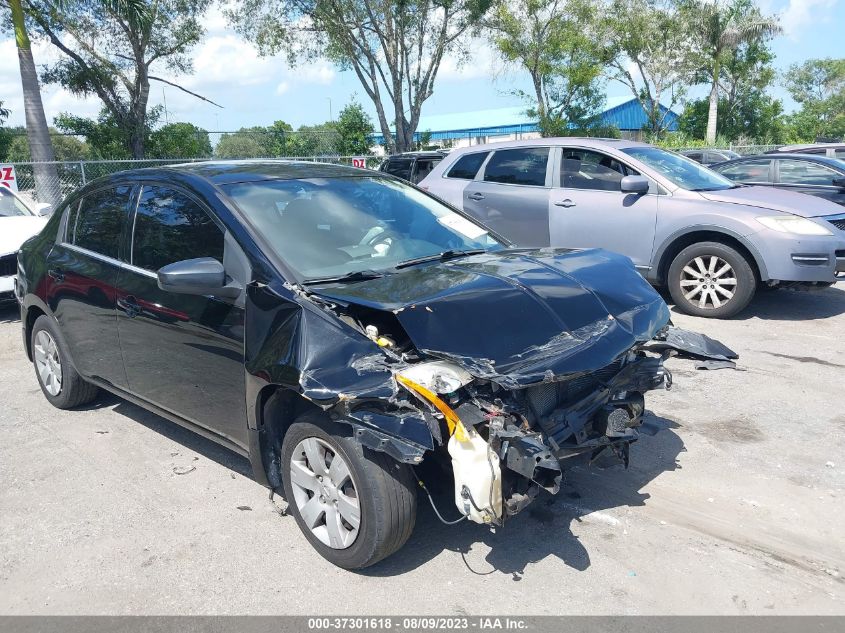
(545, 398)
(838, 221)
(8, 265)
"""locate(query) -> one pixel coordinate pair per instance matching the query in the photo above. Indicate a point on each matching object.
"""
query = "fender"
(654, 272)
(28, 302)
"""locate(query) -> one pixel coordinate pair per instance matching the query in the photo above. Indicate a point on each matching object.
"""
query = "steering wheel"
(380, 238)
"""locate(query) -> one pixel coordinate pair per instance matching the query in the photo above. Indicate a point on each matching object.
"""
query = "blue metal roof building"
(624, 113)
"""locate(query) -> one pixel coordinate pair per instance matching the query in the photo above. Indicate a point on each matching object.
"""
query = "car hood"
(774, 199)
(518, 317)
(16, 230)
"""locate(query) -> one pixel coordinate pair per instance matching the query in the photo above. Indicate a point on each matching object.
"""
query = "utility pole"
(331, 118)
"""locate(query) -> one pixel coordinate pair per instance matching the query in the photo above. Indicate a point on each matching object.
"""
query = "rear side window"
(399, 167)
(424, 168)
(169, 227)
(100, 218)
(525, 166)
(748, 171)
(696, 156)
(802, 172)
(467, 166)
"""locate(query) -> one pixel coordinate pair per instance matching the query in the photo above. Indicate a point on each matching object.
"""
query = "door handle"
(565, 203)
(476, 196)
(130, 306)
(56, 274)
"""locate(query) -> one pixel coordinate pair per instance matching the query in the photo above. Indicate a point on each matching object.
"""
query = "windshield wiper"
(357, 275)
(444, 256)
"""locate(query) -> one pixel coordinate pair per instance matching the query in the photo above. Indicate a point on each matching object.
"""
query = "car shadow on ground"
(544, 528)
(172, 431)
(789, 305)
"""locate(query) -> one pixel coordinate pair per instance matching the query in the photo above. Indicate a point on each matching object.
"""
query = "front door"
(82, 277)
(811, 178)
(511, 195)
(589, 210)
(183, 353)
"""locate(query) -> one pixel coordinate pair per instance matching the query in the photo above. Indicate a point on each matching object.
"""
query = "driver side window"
(585, 169)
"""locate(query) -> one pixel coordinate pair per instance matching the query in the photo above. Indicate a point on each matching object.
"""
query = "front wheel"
(355, 506)
(711, 279)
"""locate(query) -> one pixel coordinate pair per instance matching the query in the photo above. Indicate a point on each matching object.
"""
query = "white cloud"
(477, 61)
(282, 88)
(797, 15)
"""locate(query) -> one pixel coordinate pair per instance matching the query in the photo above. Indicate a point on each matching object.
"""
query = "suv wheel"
(354, 505)
(58, 379)
(711, 279)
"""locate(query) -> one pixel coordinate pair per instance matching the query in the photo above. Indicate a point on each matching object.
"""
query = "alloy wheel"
(708, 281)
(325, 492)
(48, 363)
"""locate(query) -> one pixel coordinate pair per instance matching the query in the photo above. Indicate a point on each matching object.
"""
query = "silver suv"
(711, 241)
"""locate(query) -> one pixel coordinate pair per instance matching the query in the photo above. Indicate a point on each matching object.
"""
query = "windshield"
(682, 171)
(11, 206)
(333, 227)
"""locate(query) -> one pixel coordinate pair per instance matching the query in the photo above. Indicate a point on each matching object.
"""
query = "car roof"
(423, 154)
(798, 148)
(579, 141)
(231, 171)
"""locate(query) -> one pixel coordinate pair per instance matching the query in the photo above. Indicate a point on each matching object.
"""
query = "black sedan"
(339, 328)
(815, 175)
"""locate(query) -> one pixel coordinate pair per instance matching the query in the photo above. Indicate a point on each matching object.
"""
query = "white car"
(18, 223)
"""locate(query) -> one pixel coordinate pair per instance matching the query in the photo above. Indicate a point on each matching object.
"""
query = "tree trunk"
(713, 113)
(47, 186)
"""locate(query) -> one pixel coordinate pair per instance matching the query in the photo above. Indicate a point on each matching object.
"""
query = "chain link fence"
(69, 175)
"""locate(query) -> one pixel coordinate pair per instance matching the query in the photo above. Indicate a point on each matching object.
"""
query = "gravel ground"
(735, 508)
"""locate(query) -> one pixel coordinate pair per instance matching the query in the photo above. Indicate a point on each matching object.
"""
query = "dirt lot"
(738, 507)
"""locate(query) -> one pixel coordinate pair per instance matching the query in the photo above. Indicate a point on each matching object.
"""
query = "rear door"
(805, 176)
(450, 186)
(183, 353)
(588, 209)
(82, 277)
(511, 194)
(399, 167)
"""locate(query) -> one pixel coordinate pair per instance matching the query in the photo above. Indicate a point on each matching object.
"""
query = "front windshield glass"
(11, 206)
(682, 171)
(331, 227)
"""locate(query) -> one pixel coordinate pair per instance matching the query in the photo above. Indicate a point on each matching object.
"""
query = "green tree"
(716, 30)
(105, 137)
(111, 49)
(355, 129)
(179, 140)
(818, 86)
(394, 48)
(649, 55)
(559, 43)
(315, 140)
(252, 142)
(66, 147)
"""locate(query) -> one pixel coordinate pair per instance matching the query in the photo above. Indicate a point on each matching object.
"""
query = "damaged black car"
(339, 328)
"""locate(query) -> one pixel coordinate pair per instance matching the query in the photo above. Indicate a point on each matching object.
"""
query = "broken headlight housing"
(438, 376)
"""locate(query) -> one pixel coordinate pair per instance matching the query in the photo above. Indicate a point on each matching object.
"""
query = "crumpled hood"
(16, 230)
(773, 199)
(519, 316)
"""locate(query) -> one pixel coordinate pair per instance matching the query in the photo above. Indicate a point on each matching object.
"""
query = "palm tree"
(40, 146)
(719, 28)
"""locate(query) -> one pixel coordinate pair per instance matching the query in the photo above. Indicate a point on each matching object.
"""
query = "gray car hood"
(773, 199)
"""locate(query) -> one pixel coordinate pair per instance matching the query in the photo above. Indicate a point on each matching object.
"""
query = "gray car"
(712, 242)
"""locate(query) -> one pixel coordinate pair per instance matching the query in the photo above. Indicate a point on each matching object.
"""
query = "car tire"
(60, 383)
(711, 279)
(323, 500)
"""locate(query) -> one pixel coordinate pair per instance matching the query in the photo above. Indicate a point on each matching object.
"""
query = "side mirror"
(202, 276)
(43, 208)
(635, 184)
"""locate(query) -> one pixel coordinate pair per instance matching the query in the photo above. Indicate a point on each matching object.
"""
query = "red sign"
(7, 177)
(361, 163)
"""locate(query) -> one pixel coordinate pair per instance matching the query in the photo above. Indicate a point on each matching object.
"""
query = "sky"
(257, 91)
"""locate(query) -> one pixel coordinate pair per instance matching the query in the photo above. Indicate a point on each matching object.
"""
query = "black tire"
(73, 390)
(385, 491)
(681, 282)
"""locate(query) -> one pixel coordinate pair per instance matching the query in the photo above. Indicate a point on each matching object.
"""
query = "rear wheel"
(711, 279)
(58, 379)
(355, 506)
